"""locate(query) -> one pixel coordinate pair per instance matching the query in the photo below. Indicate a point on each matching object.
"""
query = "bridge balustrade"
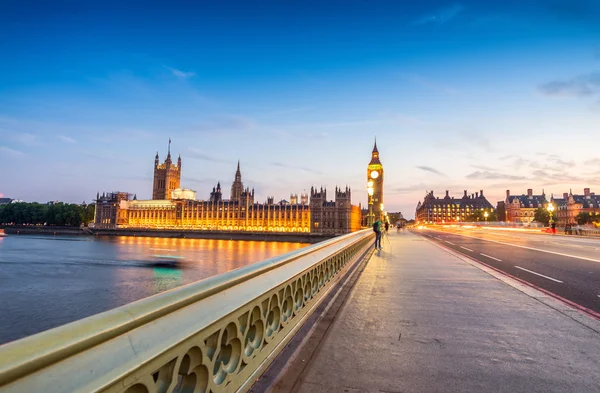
(215, 335)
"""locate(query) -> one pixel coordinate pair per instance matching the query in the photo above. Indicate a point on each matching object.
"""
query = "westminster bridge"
(338, 316)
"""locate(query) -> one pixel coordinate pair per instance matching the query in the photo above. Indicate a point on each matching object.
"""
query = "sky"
(473, 95)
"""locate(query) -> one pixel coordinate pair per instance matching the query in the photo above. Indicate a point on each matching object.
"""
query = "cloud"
(11, 152)
(25, 138)
(224, 123)
(415, 187)
(440, 16)
(204, 183)
(282, 165)
(428, 84)
(580, 86)
(430, 169)
(593, 161)
(181, 74)
(558, 177)
(198, 154)
(488, 175)
(66, 139)
(483, 167)
(548, 162)
(552, 162)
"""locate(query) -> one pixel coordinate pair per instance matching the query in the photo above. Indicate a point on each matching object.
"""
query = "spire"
(375, 155)
(238, 168)
(169, 150)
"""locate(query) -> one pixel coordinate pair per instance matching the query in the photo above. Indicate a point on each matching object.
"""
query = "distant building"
(447, 210)
(521, 208)
(173, 207)
(333, 217)
(501, 211)
(109, 209)
(396, 217)
(183, 193)
(568, 207)
(167, 176)
(5, 201)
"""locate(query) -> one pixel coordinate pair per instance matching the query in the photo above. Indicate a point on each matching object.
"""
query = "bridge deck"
(420, 319)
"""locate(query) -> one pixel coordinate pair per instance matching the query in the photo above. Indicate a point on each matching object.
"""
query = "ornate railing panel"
(215, 335)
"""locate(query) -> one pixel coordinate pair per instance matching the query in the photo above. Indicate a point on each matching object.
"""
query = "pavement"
(566, 266)
(421, 318)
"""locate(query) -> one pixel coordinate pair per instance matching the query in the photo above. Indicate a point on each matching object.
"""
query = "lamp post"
(550, 209)
(370, 192)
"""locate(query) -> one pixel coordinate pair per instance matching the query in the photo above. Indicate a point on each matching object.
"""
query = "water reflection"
(49, 281)
(166, 278)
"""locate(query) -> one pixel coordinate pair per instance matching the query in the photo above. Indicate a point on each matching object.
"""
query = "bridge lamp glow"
(370, 191)
(381, 206)
(370, 184)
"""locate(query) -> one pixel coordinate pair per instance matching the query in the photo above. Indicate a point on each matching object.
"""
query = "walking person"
(377, 230)
(387, 226)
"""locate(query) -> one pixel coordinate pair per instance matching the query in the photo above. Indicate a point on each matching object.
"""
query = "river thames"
(49, 281)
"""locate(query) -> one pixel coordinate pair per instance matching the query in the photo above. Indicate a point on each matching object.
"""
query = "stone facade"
(108, 213)
(167, 177)
(521, 208)
(448, 210)
(176, 210)
(569, 206)
(333, 217)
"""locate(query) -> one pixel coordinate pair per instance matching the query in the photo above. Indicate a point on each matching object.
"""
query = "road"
(565, 266)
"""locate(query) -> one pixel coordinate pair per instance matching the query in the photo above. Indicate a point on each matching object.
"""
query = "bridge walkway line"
(422, 319)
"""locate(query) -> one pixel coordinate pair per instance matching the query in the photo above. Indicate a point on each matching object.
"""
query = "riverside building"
(436, 210)
(172, 207)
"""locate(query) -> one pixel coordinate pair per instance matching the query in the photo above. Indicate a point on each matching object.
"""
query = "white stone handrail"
(213, 335)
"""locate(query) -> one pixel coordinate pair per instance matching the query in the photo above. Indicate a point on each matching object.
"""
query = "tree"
(587, 218)
(543, 216)
(36, 213)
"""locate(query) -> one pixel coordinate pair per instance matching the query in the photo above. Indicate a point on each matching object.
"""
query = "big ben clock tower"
(375, 175)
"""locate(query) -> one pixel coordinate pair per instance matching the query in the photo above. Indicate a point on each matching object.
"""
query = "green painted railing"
(215, 335)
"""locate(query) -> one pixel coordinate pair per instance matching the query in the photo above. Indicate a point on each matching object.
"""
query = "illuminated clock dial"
(374, 175)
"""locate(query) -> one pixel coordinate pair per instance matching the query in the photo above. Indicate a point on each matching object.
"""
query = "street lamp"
(550, 208)
(370, 192)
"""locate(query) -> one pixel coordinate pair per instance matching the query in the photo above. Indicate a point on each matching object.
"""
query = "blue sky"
(460, 95)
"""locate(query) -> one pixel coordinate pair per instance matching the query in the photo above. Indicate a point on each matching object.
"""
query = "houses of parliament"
(173, 207)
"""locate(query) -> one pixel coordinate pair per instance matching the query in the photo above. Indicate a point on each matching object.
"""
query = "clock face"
(374, 175)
